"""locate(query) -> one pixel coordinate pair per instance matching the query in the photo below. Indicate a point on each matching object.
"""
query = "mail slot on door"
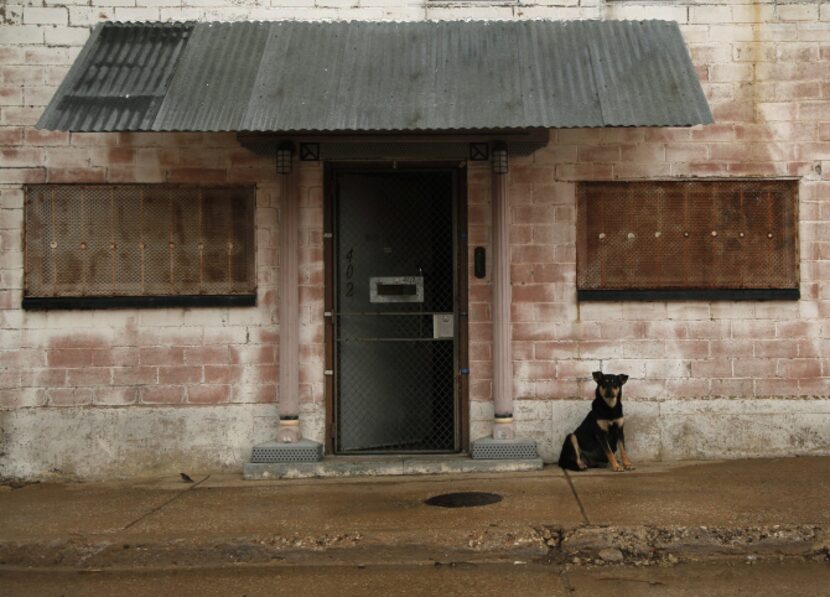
(398, 289)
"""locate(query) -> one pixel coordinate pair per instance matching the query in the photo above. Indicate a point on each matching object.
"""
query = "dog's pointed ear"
(597, 376)
(623, 378)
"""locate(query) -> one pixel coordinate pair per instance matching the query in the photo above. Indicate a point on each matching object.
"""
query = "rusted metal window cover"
(687, 235)
(139, 241)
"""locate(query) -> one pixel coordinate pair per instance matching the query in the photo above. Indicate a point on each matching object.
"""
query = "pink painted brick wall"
(153, 356)
(765, 69)
(766, 84)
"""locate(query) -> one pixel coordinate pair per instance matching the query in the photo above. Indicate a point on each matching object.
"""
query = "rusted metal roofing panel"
(120, 78)
(384, 76)
(422, 76)
(213, 86)
(643, 74)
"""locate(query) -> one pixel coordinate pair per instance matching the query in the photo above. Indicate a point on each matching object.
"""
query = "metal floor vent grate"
(271, 452)
(491, 449)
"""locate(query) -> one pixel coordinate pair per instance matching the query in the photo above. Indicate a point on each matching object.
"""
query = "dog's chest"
(607, 424)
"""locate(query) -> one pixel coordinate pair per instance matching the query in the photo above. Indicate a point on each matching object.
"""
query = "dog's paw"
(617, 468)
(582, 466)
(629, 467)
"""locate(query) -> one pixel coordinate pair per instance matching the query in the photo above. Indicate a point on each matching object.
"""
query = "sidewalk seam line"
(566, 581)
(576, 497)
(160, 506)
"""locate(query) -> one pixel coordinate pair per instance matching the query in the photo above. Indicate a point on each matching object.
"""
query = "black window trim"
(692, 294)
(50, 303)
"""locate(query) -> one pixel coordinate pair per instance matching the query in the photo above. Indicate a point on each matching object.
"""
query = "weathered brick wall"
(765, 72)
(765, 68)
(694, 366)
(153, 356)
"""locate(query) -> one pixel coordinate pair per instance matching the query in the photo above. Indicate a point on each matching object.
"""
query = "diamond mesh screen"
(687, 235)
(139, 240)
(395, 373)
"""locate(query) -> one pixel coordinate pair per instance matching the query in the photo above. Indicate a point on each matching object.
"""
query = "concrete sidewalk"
(661, 512)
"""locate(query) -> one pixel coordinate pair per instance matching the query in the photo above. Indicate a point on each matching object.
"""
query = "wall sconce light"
(498, 158)
(285, 154)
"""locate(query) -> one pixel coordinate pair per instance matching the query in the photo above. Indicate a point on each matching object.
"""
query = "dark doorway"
(395, 319)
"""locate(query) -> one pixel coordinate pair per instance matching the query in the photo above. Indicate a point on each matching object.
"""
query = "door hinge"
(328, 372)
(328, 235)
(464, 371)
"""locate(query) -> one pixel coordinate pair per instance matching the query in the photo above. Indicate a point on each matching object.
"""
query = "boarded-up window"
(139, 241)
(738, 237)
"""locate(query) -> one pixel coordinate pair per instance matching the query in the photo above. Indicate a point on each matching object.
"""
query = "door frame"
(462, 377)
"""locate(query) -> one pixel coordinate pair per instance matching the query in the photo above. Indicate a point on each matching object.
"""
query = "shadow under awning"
(291, 76)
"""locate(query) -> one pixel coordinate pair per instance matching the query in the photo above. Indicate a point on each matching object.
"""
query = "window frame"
(686, 293)
(246, 298)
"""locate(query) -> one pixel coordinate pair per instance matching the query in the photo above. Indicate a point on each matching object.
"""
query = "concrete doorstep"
(659, 514)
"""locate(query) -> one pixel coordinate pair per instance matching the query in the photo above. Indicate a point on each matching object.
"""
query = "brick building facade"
(121, 392)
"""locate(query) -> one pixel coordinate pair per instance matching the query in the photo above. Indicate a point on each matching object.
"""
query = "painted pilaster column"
(502, 298)
(270, 459)
(289, 385)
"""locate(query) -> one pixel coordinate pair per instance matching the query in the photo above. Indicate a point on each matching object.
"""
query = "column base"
(488, 448)
(503, 428)
(289, 431)
(304, 450)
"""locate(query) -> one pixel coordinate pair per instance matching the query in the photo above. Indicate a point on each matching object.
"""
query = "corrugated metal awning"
(379, 76)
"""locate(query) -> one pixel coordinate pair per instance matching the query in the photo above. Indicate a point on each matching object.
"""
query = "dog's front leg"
(602, 436)
(623, 455)
(575, 444)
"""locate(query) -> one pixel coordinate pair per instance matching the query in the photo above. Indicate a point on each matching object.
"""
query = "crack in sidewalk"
(566, 582)
(160, 506)
(576, 497)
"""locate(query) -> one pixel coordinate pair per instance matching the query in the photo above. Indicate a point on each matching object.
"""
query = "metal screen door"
(395, 320)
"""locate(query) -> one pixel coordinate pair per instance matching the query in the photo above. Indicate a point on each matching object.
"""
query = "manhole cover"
(464, 499)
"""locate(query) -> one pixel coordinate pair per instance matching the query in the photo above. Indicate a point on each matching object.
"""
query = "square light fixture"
(285, 154)
(498, 158)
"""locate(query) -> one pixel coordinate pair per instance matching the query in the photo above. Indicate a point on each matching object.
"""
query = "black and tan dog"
(595, 441)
